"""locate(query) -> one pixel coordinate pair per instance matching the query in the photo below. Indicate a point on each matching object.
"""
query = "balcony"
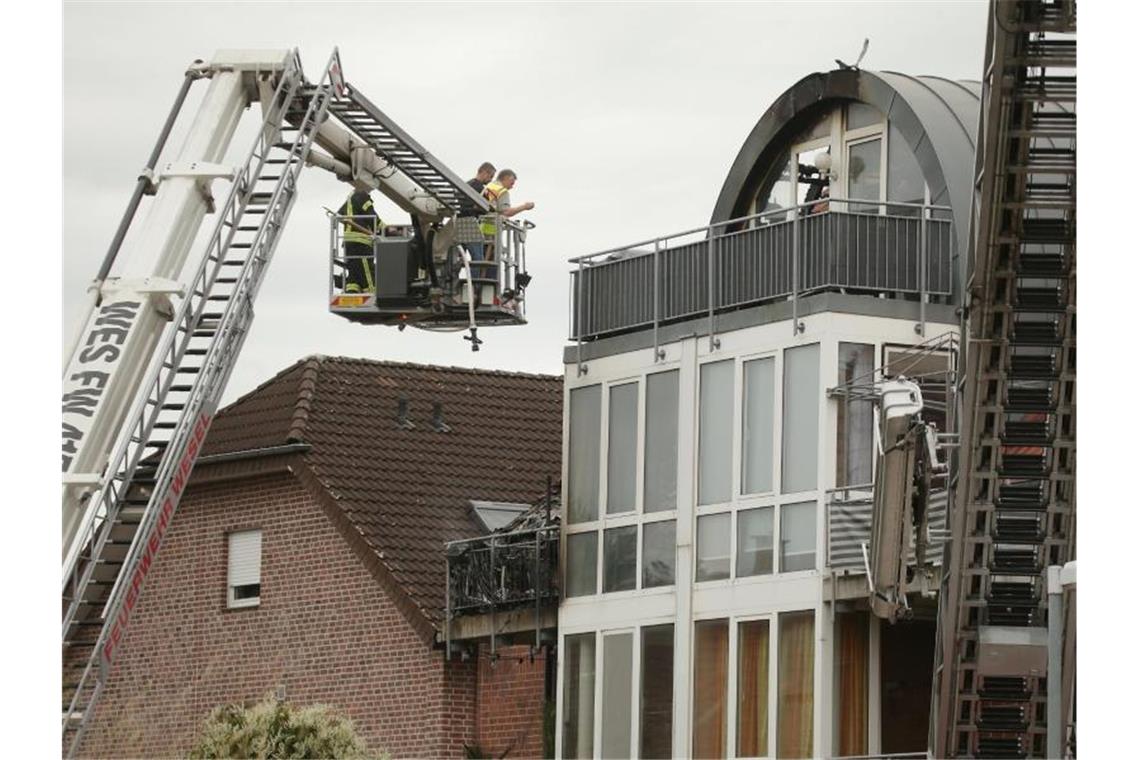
(849, 528)
(885, 250)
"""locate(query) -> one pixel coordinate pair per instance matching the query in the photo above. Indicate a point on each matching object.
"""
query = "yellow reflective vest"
(351, 233)
(491, 192)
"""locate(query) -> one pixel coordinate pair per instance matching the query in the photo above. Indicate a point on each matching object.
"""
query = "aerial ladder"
(1000, 688)
(144, 374)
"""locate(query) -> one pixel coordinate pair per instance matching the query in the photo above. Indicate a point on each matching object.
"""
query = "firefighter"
(361, 225)
(498, 194)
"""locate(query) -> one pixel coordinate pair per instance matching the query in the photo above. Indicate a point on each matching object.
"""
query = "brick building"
(306, 560)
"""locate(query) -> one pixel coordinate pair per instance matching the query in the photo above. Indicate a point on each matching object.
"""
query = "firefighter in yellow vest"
(361, 224)
(498, 194)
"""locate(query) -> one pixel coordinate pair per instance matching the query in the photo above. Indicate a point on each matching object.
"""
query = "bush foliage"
(273, 729)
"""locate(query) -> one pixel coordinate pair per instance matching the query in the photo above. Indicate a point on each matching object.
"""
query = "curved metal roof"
(937, 117)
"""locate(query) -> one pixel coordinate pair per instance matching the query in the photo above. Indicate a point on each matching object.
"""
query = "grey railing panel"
(752, 263)
(849, 527)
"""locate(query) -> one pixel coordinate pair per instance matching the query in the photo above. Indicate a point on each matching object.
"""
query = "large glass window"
(582, 564)
(657, 692)
(713, 546)
(710, 689)
(801, 419)
(795, 682)
(757, 432)
(617, 695)
(662, 397)
(853, 645)
(619, 559)
(621, 470)
(797, 537)
(578, 697)
(752, 689)
(854, 449)
(864, 175)
(585, 451)
(905, 182)
(714, 477)
(658, 553)
(754, 542)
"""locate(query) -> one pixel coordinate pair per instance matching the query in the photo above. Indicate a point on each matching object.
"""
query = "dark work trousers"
(358, 262)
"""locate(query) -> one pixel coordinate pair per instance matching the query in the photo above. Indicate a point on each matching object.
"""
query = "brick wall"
(325, 631)
(510, 698)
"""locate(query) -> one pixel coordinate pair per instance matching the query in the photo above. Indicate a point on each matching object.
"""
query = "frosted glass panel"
(582, 564)
(621, 472)
(797, 537)
(617, 695)
(661, 410)
(757, 433)
(585, 450)
(713, 546)
(714, 478)
(801, 419)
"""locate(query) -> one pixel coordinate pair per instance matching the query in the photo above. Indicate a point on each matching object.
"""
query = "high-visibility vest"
(351, 233)
(491, 192)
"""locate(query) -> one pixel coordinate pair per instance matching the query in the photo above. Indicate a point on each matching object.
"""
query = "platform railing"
(849, 512)
(877, 248)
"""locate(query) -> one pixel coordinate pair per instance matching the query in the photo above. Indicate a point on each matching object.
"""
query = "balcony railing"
(849, 527)
(502, 570)
(897, 249)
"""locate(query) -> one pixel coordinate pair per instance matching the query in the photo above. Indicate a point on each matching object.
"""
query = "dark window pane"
(657, 692)
(855, 419)
(582, 564)
(619, 563)
(578, 697)
(658, 553)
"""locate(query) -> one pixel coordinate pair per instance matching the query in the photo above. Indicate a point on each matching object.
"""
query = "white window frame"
(239, 545)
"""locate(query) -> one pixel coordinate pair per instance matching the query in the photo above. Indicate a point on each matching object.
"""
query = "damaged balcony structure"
(711, 605)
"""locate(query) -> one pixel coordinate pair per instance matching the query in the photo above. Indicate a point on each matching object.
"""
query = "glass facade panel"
(713, 546)
(797, 537)
(800, 448)
(582, 564)
(619, 561)
(853, 645)
(710, 689)
(621, 470)
(752, 689)
(864, 175)
(714, 477)
(854, 449)
(617, 695)
(905, 182)
(662, 398)
(657, 691)
(795, 685)
(585, 451)
(578, 697)
(754, 542)
(658, 553)
(862, 115)
(757, 428)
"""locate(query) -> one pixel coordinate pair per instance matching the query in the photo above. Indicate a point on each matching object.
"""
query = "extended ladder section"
(1015, 512)
(129, 512)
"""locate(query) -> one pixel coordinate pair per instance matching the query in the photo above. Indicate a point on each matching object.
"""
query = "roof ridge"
(306, 389)
(436, 367)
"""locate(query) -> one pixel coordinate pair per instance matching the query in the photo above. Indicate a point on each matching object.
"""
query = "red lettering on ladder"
(150, 547)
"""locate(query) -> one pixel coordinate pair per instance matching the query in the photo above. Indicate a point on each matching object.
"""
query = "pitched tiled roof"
(406, 487)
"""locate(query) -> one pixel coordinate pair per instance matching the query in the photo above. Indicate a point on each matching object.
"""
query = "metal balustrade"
(849, 527)
(894, 249)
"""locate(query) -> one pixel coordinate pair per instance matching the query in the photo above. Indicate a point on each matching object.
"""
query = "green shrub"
(273, 729)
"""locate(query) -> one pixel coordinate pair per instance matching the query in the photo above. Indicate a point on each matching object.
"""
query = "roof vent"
(402, 420)
(437, 423)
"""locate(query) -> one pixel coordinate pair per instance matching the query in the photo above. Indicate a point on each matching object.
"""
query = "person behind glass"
(498, 194)
(361, 225)
(469, 210)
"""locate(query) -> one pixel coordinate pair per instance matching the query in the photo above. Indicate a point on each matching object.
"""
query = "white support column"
(116, 346)
(686, 524)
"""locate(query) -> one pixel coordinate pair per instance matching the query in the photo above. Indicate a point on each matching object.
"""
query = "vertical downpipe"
(923, 245)
(713, 342)
(795, 271)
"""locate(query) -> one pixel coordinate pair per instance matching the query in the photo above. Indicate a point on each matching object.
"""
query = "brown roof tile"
(406, 488)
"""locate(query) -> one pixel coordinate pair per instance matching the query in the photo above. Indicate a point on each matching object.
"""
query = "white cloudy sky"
(620, 119)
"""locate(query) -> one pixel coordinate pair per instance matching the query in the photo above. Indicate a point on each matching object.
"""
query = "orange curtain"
(710, 684)
(752, 681)
(854, 645)
(796, 679)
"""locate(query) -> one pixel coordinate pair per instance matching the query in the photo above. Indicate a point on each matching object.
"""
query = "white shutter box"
(245, 558)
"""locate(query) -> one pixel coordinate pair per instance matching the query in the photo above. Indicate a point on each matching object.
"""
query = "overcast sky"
(620, 119)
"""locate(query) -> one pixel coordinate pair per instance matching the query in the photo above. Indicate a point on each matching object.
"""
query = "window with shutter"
(244, 577)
